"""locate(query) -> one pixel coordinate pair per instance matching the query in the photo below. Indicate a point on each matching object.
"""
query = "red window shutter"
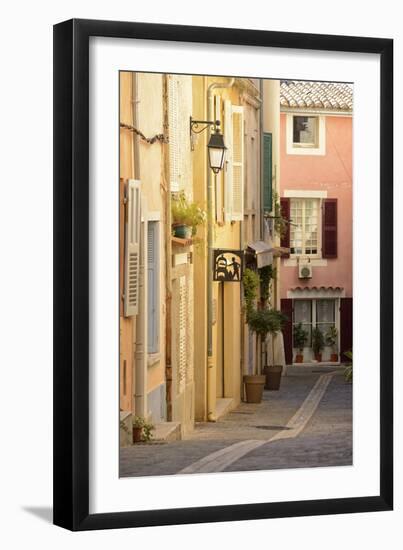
(286, 309)
(285, 213)
(329, 228)
(346, 327)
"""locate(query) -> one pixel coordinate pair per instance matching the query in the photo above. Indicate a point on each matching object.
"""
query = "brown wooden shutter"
(286, 309)
(329, 228)
(346, 327)
(285, 213)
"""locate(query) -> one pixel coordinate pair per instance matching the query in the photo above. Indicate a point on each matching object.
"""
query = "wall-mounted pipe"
(140, 326)
(168, 255)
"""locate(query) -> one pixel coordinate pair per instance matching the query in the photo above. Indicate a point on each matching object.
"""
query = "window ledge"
(314, 262)
(181, 242)
(153, 358)
(306, 151)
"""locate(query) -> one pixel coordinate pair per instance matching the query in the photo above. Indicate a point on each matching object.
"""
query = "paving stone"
(325, 441)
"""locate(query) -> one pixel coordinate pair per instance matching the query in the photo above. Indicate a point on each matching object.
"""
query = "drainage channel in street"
(221, 459)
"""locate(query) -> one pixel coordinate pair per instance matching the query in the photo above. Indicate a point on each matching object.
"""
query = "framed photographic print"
(223, 237)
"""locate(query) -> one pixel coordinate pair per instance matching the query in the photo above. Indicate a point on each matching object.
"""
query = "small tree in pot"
(318, 343)
(250, 283)
(331, 341)
(263, 322)
(300, 338)
(254, 383)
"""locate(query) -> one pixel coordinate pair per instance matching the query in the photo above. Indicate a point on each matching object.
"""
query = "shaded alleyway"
(308, 423)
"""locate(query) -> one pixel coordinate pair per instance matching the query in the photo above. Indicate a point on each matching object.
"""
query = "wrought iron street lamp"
(216, 151)
(216, 146)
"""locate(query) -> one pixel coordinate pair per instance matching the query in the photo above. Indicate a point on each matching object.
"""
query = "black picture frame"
(71, 274)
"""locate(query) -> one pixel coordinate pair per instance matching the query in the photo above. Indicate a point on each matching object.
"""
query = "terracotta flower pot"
(254, 385)
(137, 433)
(273, 377)
(299, 358)
(318, 357)
(334, 357)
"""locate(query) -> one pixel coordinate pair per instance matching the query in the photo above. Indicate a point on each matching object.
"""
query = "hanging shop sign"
(227, 265)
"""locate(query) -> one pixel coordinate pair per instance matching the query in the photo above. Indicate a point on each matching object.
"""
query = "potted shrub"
(148, 429)
(142, 430)
(300, 338)
(267, 321)
(274, 372)
(137, 428)
(331, 341)
(318, 343)
(348, 369)
(186, 216)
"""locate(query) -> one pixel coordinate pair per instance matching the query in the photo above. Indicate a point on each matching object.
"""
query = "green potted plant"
(348, 369)
(318, 343)
(250, 283)
(274, 372)
(186, 216)
(266, 321)
(331, 341)
(300, 338)
(142, 430)
(266, 275)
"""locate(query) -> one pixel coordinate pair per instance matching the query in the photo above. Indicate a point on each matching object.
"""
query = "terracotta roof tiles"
(333, 96)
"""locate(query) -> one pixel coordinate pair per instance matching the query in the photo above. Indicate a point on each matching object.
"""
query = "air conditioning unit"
(304, 270)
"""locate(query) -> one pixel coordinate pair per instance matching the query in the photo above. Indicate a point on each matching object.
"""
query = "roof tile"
(335, 96)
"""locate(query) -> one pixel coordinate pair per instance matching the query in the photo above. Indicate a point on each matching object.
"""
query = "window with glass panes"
(303, 315)
(305, 131)
(304, 228)
(313, 313)
(325, 315)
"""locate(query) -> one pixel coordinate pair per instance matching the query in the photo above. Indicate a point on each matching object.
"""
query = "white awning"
(263, 251)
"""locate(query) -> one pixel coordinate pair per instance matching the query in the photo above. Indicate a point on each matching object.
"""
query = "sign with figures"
(227, 265)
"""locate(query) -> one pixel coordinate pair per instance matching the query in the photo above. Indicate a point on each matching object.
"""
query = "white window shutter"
(132, 249)
(173, 120)
(237, 163)
(182, 342)
(179, 112)
(228, 160)
(153, 286)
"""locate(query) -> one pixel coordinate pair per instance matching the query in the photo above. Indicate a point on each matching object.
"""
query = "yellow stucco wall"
(150, 123)
(230, 340)
(225, 235)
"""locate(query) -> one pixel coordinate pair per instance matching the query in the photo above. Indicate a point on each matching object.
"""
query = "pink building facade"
(316, 197)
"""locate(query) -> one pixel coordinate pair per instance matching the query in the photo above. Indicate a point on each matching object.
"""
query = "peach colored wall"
(331, 172)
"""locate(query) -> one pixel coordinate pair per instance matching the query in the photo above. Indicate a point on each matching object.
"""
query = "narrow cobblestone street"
(307, 423)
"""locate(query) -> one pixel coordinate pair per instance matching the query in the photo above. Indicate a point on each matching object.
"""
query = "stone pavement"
(325, 439)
